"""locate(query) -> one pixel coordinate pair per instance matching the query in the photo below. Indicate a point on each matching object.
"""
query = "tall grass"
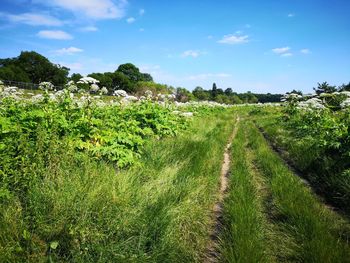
(319, 234)
(82, 210)
(244, 234)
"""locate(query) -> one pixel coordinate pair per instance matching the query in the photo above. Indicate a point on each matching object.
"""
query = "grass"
(319, 234)
(316, 165)
(244, 237)
(82, 210)
(270, 215)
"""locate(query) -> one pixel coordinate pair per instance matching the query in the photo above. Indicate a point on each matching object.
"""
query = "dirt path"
(212, 253)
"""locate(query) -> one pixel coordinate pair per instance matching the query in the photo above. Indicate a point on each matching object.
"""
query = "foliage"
(32, 67)
(133, 73)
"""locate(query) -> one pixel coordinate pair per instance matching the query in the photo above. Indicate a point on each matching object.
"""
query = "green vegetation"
(32, 67)
(317, 141)
(124, 179)
(83, 210)
(270, 215)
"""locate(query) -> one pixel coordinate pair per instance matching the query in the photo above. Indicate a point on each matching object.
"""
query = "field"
(121, 179)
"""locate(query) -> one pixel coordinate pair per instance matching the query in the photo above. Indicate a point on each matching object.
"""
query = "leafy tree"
(105, 79)
(213, 92)
(133, 73)
(130, 71)
(120, 81)
(75, 77)
(324, 87)
(183, 95)
(228, 91)
(200, 93)
(36, 67)
(345, 87)
(146, 77)
(299, 92)
(13, 72)
(234, 99)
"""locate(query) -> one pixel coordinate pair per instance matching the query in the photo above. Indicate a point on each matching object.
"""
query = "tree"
(130, 71)
(133, 73)
(13, 72)
(345, 87)
(214, 91)
(228, 91)
(105, 79)
(183, 95)
(200, 93)
(120, 81)
(324, 87)
(146, 77)
(299, 92)
(35, 68)
(75, 77)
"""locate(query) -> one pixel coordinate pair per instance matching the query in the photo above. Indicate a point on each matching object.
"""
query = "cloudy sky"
(261, 46)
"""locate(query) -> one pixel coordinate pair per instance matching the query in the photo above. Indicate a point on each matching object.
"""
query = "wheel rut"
(212, 254)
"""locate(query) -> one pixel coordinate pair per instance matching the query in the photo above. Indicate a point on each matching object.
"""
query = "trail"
(211, 251)
(297, 172)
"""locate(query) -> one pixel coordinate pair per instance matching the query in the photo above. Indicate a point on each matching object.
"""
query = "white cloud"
(191, 53)
(234, 39)
(281, 50)
(287, 54)
(89, 29)
(94, 9)
(209, 75)
(130, 20)
(54, 34)
(33, 19)
(141, 29)
(141, 12)
(68, 51)
(305, 51)
(291, 15)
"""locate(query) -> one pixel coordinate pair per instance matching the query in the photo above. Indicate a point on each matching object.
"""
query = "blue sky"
(261, 46)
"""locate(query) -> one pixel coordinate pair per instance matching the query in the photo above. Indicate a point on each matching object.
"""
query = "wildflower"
(104, 90)
(120, 93)
(345, 103)
(88, 80)
(46, 86)
(71, 86)
(187, 114)
(94, 88)
(148, 94)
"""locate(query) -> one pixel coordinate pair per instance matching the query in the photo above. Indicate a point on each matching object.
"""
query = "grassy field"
(158, 211)
(83, 209)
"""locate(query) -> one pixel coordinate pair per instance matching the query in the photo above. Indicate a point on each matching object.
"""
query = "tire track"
(211, 254)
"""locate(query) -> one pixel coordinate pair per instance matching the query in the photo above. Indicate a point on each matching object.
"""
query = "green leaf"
(54, 244)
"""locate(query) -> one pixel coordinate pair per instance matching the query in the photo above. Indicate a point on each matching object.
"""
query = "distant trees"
(324, 87)
(345, 87)
(75, 77)
(133, 73)
(32, 67)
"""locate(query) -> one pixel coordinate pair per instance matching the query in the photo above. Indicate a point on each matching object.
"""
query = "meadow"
(92, 178)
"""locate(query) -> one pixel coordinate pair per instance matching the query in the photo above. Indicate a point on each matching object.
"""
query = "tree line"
(33, 67)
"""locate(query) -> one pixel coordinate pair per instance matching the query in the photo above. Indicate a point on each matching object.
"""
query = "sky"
(248, 45)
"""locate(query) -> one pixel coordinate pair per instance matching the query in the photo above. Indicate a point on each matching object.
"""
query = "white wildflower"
(88, 80)
(104, 90)
(148, 94)
(120, 93)
(46, 85)
(94, 88)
